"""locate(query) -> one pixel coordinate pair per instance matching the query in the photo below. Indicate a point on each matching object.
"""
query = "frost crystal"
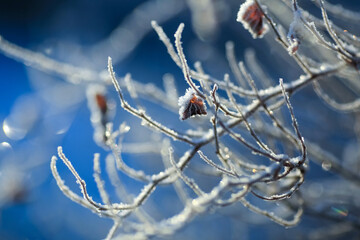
(191, 104)
(252, 18)
(293, 35)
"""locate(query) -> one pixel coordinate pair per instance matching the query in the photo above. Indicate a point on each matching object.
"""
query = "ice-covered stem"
(141, 114)
(352, 106)
(317, 155)
(247, 124)
(233, 63)
(339, 46)
(175, 57)
(67, 192)
(76, 74)
(81, 182)
(209, 200)
(185, 67)
(284, 195)
(214, 118)
(107, 210)
(220, 169)
(276, 122)
(99, 182)
(116, 149)
(164, 38)
(240, 139)
(188, 181)
(295, 5)
(264, 148)
(214, 121)
(218, 104)
(39, 61)
(340, 11)
(112, 230)
(295, 124)
(294, 27)
(132, 91)
(348, 56)
(332, 33)
(235, 89)
(272, 216)
(178, 185)
(122, 193)
(270, 94)
(283, 42)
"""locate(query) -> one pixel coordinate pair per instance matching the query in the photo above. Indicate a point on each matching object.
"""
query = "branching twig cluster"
(249, 148)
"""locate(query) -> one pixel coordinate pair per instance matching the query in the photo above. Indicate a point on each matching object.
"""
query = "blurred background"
(40, 110)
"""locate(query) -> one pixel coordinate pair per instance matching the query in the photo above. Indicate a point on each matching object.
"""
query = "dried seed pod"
(191, 105)
(252, 18)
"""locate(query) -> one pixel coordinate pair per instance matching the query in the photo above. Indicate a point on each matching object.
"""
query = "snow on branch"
(232, 129)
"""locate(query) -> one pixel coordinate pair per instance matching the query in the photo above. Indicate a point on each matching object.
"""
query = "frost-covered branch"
(235, 142)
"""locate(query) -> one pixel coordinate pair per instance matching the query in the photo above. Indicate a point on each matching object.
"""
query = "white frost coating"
(160, 175)
(249, 25)
(296, 32)
(170, 171)
(124, 128)
(243, 8)
(184, 102)
(99, 118)
(145, 192)
(319, 37)
(243, 173)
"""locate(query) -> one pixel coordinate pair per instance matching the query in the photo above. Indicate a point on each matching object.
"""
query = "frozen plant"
(239, 130)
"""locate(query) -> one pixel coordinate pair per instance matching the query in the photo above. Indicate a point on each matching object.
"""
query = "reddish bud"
(101, 103)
